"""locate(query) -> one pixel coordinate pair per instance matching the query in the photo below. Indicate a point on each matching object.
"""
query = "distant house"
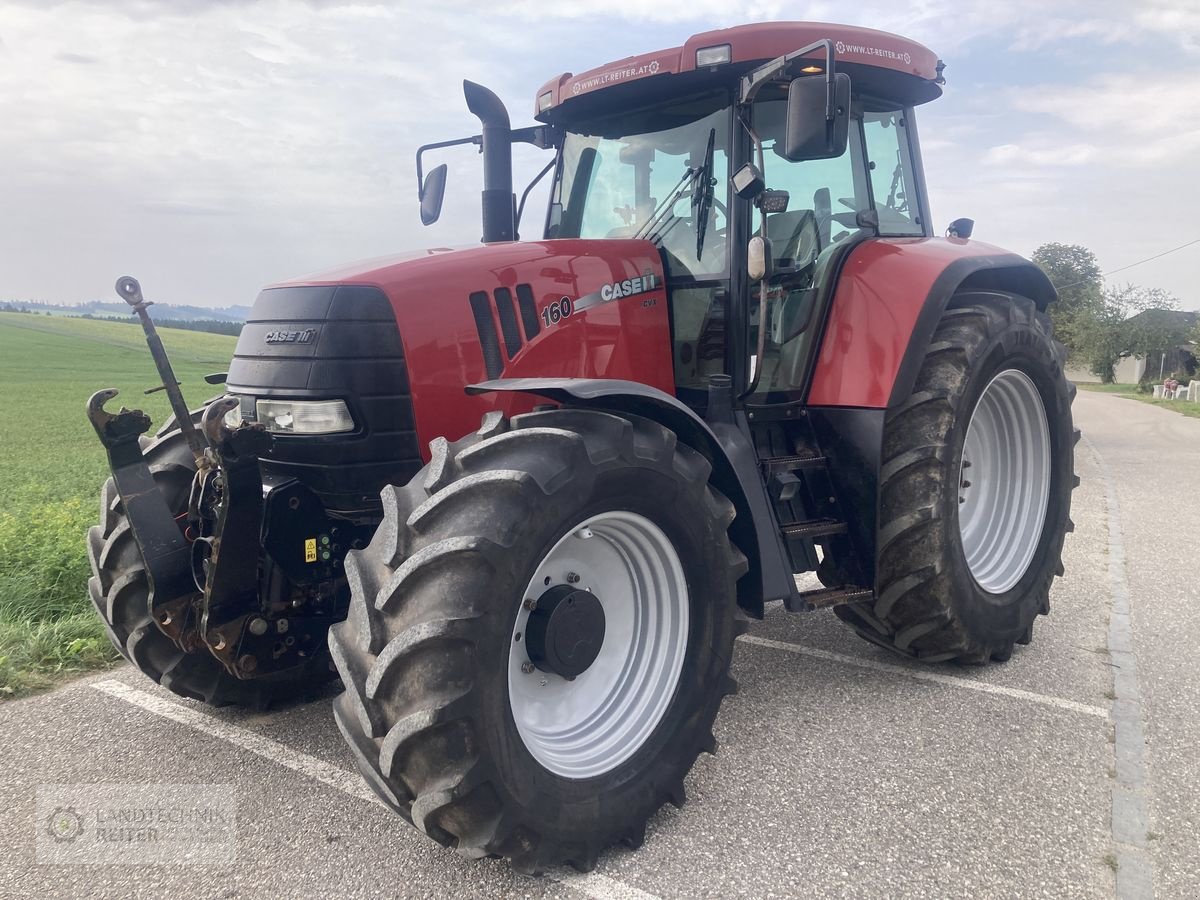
(1176, 357)
(1158, 364)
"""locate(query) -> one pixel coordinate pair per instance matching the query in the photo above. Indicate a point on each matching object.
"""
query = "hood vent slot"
(529, 314)
(481, 307)
(506, 312)
(508, 321)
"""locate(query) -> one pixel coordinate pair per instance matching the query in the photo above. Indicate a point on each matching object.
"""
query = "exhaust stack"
(499, 212)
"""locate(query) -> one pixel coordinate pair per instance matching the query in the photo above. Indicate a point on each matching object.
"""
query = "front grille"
(333, 342)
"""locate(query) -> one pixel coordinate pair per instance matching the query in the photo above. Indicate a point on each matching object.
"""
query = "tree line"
(1100, 324)
(214, 326)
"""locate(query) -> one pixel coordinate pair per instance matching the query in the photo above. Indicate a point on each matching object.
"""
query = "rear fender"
(726, 446)
(886, 309)
(888, 303)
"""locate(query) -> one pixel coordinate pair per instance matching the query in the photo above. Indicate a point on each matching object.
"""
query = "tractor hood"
(559, 308)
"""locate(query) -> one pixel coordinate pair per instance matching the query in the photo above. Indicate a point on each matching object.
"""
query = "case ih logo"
(291, 337)
(618, 289)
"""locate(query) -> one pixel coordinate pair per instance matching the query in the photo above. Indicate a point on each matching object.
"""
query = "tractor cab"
(688, 148)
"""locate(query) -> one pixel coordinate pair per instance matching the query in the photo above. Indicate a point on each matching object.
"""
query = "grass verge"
(51, 470)
(1129, 392)
(1107, 388)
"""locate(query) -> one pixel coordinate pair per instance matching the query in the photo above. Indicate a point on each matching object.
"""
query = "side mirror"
(810, 134)
(433, 191)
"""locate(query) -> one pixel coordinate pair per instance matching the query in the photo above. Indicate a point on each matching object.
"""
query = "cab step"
(776, 464)
(824, 598)
(813, 528)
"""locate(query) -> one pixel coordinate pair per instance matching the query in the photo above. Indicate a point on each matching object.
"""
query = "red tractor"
(736, 352)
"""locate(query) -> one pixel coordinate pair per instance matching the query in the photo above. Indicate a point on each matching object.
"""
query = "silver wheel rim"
(589, 726)
(1004, 481)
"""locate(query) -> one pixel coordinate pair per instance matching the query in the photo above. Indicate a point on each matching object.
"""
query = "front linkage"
(211, 587)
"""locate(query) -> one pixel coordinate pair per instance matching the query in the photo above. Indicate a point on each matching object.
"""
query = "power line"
(1152, 258)
(1131, 265)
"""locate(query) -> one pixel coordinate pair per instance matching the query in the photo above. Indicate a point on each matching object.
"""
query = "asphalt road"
(843, 771)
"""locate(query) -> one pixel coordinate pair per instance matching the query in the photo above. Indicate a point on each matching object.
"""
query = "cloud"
(82, 59)
(1168, 17)
(1139, 121)
(1043, 154)
(179, 208)
(214, 147)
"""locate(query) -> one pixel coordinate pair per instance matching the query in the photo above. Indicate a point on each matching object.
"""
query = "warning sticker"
(310, 550)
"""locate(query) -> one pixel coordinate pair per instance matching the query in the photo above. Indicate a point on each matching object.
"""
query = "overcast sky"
(212, 147)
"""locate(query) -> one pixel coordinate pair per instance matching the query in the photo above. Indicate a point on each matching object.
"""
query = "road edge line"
(1131, 789)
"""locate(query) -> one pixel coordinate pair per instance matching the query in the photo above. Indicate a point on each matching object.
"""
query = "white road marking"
(593, 884)
(935, 677)
(590, 884)
(334, 776)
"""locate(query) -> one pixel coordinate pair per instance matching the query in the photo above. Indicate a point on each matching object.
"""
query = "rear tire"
(431, 645)
(119, 591)
(961, 575)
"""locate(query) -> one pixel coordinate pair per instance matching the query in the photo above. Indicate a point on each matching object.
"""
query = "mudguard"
(889, 299)
(727, 447)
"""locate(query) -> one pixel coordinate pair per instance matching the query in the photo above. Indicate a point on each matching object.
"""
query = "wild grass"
(1130, 392)
(51, 470)
(1107, 388)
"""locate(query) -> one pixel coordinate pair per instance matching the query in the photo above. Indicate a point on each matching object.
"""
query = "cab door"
(833, 204)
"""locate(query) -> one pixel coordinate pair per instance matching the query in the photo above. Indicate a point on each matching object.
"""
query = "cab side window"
(890, 165)
(825, 195)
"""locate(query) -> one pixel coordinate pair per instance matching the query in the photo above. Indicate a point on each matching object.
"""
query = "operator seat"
(795, 240)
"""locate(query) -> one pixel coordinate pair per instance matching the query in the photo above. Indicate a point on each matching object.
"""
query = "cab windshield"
(660, 174)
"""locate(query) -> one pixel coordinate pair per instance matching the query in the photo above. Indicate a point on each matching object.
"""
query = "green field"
(51, 469)
(1130, 392)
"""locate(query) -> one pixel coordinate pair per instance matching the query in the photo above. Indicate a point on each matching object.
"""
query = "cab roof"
(887, 65)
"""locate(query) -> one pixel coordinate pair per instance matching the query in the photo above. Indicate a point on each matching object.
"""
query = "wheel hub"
(1004, 481)
(565, 631)
(627, 641)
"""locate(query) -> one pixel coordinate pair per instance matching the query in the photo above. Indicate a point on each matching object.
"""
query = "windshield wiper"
(697, 178)
(702, 197)
(649, 229)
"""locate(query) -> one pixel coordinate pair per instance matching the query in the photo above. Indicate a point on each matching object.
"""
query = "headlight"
(293, 416)
(304, 416)
(713, 56)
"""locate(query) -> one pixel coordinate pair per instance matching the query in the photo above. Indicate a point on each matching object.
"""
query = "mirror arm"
(781, 67)
(525, 196)
(476, 139)
(544, 137)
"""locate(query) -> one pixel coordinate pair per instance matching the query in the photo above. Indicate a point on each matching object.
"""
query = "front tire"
(443, 706)
(975, 488)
